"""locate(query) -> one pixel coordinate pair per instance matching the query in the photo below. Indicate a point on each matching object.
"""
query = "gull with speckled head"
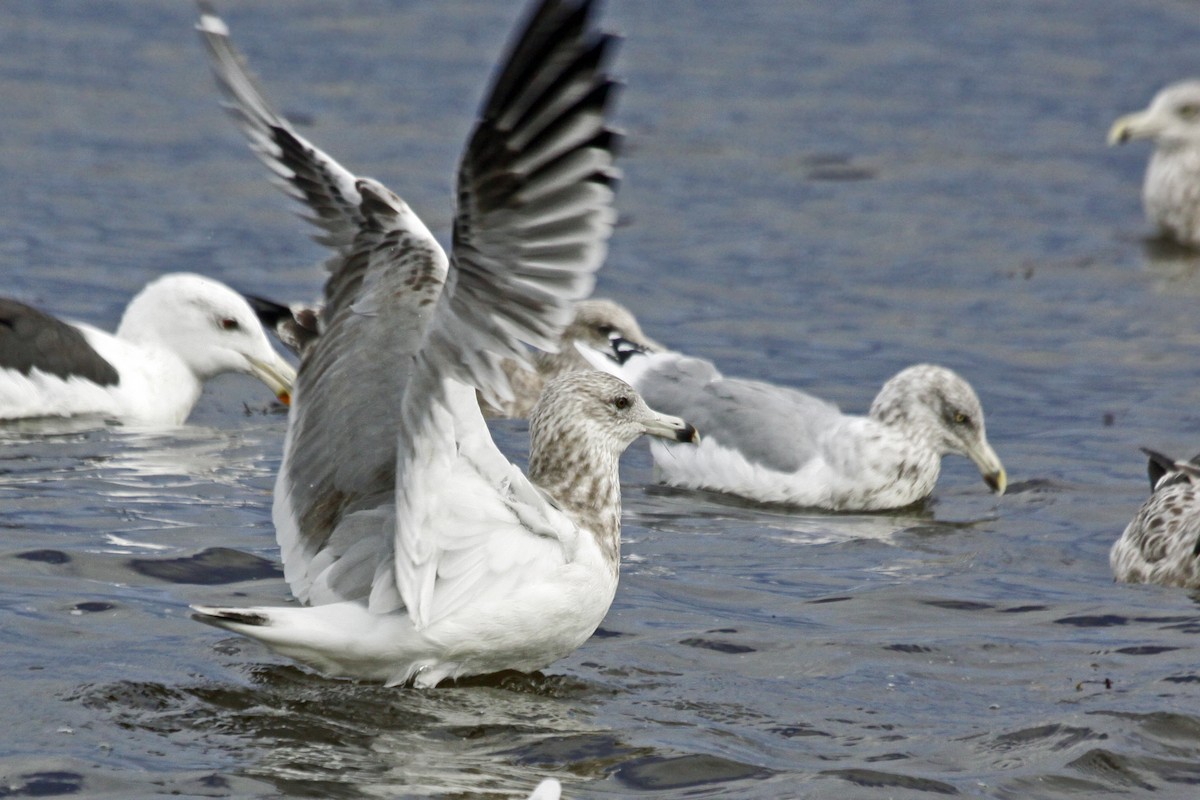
(178, 332)
(1171, 189)
(1161, 544)
(774, 444)
(419, 551)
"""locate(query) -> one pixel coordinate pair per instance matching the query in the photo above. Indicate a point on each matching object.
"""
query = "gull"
(419, 551)
(1171, 190)
(175, 334)
(775, 444)
(1162, 542)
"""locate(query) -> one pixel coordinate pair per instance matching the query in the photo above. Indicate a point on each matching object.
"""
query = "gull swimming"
(774, 444)
(177, 333)
(1162, 542)
(1171, 189)
(419, 551)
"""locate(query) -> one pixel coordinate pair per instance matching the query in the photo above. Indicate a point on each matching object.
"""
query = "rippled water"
(815, 193)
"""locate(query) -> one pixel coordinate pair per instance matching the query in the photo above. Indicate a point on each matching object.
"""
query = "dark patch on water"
(1110, 768)
(1022, 609)
(888, 780)
(45, 556)
(959, 605)
(211, 567)
(909, 648)
(605, 633)
(93, 607)
(1093, 621)
(798, 731)
(603, 750)
(720, 647)
(682, 772)
(1145, 650)
(44, 784)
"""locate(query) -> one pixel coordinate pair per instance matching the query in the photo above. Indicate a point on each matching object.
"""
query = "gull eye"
(620, 402)
(229, 324)
(1188, 111)
(604, 329)
(961, 419)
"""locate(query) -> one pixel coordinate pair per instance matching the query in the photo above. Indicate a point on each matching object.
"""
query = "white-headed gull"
(1171, 189)
(178, 332)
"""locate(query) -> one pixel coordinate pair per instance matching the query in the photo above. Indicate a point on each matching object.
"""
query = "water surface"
(815, 193)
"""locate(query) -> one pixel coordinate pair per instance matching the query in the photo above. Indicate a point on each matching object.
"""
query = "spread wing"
(302, 170)
(535, 192)
(391, 489)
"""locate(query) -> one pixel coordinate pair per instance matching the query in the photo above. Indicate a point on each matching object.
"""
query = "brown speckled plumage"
(1160, 544)
(577, 434)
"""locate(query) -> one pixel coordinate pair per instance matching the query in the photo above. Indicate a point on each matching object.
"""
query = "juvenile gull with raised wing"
(421, 553)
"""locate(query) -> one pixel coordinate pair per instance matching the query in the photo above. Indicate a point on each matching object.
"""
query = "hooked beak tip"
(997, 481)
(689, 434)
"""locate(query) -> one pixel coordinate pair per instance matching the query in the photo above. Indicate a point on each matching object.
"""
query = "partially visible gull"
(596, 319)
(1171, 190)
(178, 332)
(774, 444)
(296, 326)
(1162, 543)
(419, 551)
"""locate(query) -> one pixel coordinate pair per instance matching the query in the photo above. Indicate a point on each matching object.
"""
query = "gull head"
(1171, 119)
(209, 327)
(938, 406)
(604, 411)
(596, 321)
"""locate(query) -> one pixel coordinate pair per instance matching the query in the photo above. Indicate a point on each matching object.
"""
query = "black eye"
(620, 402)
(1188, 111)
(604, 329)
(229, 324)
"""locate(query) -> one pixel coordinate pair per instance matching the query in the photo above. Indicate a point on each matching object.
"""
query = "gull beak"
(668, 427)
(278, 375)
(989, 466)
(1140, 125)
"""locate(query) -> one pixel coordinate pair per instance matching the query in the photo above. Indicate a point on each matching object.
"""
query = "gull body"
(1171, 188)
(775, 444)
(420, 552)
(178, 332)
(1161, 544)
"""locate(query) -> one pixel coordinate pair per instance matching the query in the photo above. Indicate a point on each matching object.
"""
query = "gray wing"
(534, 212)
(302, 170)
(535, 192)
(777, 427)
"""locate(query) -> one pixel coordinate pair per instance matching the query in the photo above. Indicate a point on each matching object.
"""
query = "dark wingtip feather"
(223, 617)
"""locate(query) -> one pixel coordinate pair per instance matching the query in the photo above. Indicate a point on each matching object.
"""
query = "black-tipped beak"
(689, 434)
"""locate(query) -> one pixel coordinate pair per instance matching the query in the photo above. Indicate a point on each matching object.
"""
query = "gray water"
(817, 194)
